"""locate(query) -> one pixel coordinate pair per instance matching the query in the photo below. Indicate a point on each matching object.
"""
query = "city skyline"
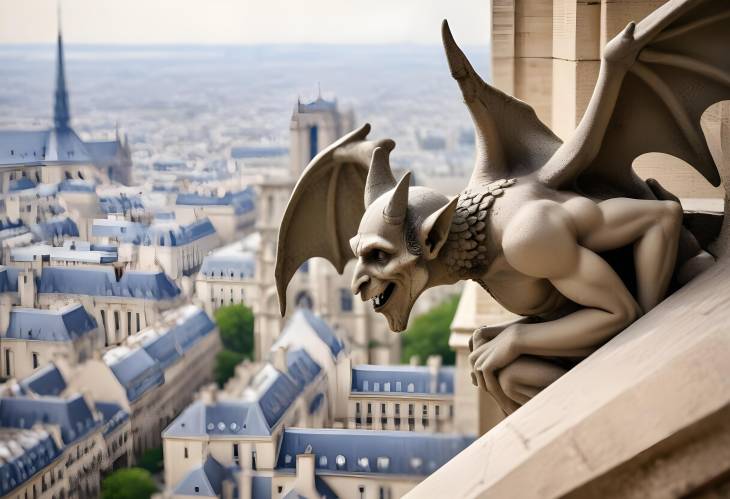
(242, 22)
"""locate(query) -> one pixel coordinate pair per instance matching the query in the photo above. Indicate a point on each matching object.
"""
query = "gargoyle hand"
(493, 348)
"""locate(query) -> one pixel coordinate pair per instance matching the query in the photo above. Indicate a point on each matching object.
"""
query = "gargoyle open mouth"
(380, 300)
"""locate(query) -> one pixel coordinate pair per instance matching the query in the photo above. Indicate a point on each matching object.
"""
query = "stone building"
(405, 398)
(233, 214)
(155, 374)
(34, 338)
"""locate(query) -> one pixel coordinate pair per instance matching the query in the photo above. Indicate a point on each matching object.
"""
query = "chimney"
(414, 360)
(305, 475)
(209, 394)
(279, 358)
(26, 288)
(434, 365)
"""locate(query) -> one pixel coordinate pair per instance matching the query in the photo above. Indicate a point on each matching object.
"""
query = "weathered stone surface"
(644, 416)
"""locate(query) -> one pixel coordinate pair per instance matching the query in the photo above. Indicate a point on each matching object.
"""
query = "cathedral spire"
(61, 114)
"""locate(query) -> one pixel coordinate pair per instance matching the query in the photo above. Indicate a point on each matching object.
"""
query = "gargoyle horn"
(380, 177)
(395, 212)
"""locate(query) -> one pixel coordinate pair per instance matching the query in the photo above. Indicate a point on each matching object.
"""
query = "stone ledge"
(631, 413)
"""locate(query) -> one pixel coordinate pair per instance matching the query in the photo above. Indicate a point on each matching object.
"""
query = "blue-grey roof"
(243, 201)
(137, 372)
(9, 279)
(103, 151)
(21, 184)
(279, 395)
(208, 479)
(318, 105)
(402, 379)
(74, 185)
(220, 418)
(72, 415)
(113, 415)
(301, 367)
(368, 451)
(37, 147)
(260, 487)
(45, 381)
(103, 282)
(172, 234)
(120, 204)
(32, 451)
(55, 227)
(232, 265)
(304, 316)
(34, 324)
(168, 347)
(316, 403)
(245, 152)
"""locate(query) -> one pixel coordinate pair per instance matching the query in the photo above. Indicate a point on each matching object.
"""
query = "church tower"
(313, 127)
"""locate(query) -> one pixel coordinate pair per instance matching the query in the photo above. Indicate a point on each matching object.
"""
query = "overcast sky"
(244, 21)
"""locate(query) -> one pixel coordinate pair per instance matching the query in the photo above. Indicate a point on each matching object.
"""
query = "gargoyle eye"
(378, 255)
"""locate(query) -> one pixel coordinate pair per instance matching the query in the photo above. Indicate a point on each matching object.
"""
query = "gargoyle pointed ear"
(380, 178)
(395, 212)
(434, 231)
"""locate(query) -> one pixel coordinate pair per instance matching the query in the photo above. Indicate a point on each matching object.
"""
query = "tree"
(429, 333)
(225, 365)
(152, 460)
(128, 483)
(235, 323)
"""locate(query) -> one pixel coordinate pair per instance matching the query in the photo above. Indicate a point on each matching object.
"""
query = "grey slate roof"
(113, 415)
(208, 479)
(103, 282)
(301, 367)
(278, 396)
(368, 451)
(243, 201)
(67, 324)
(167, 348)
(24, 453)
(72, 415)
(55, 227)
(172, 234)
(137, 372)
(220, 418)
(8, 279)
(46, 381)
(402, 379)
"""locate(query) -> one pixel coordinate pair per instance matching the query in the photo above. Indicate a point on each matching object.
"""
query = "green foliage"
(225, 365)
(128, 483)
(235, 323)
(429, 334)
(151, 460)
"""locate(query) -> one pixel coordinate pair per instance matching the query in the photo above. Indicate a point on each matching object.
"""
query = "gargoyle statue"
(539, 218)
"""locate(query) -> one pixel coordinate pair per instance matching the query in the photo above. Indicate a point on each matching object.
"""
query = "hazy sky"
(244, 21)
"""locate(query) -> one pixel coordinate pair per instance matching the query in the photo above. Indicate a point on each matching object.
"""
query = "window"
(345, 300)
(253, 459)
(411, 388)
(186, 452)
(129, 323)
(197, 489)
(358, 417)
(235, 454)
(398, 386)
(8, 362)
(361, 488)
(116, 320)
(35, 360)
(138, 328)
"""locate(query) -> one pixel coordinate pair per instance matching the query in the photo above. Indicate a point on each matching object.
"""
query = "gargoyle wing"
(326, 206)
(511, 139)
(679, 66)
